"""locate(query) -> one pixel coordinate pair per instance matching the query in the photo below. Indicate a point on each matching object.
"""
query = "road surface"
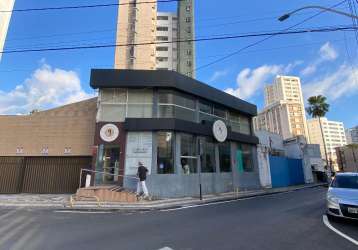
(285, 221)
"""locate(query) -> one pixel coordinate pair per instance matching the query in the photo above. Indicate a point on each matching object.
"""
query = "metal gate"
(286, 172)
(47, 175)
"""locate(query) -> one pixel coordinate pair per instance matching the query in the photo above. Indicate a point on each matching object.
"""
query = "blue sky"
(326, 62)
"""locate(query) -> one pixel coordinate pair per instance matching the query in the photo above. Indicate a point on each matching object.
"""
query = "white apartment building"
(5, 5)
(284, 111)
(333, 135)
(167, 31)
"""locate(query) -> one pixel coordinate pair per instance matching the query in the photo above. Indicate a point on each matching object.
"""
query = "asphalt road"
(285, 221)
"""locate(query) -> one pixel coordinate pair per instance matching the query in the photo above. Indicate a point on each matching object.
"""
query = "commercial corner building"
(165, 120)
(333, 137)
(5, 17)
(284, 111)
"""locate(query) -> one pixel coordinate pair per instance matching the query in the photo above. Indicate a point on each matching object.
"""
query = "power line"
(81, 42)
(261, 41)
(267, 34)
(300, 45)
(86, 6)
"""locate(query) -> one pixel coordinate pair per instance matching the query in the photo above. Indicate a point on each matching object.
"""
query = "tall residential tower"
(167, 30)
(5, 5)
(186, 32)
(136, 24)
(284, 111)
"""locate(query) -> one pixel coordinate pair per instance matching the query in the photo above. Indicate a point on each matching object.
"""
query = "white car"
(342, 196)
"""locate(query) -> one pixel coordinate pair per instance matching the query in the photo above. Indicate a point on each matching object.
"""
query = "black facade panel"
(205, 129)
(112, 78)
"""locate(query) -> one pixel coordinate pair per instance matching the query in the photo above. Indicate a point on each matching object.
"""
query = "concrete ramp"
(105, 194)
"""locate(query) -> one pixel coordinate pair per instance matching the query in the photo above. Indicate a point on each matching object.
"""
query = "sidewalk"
(62, 201)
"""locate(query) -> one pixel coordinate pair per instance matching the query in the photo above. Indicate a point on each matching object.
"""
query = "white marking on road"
(230, 201)
(7, 214)
(166, 248)
(204, 205)
(82, 212)
(15, 231)
(24, 240)
(326, 222)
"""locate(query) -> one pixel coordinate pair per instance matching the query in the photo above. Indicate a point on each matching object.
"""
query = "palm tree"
(318, 108)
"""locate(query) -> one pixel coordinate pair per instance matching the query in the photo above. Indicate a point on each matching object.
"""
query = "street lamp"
(287, 15)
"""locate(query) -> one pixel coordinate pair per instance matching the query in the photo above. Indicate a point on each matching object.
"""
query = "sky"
(325, 62)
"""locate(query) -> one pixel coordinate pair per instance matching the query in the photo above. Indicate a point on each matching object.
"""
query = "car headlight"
(332, 199)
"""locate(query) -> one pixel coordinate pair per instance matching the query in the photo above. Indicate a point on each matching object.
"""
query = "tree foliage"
(317, 106)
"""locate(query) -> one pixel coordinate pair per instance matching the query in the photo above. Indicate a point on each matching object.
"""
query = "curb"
(155, 207)
(148, 208)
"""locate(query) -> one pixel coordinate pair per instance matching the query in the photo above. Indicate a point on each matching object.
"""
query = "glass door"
(107, 164)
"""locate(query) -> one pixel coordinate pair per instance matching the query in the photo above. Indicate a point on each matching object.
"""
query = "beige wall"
(136, 24)
(71, 126)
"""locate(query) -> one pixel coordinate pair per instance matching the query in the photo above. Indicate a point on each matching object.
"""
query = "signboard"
(109, 132)
(220, 131)
(139, 149)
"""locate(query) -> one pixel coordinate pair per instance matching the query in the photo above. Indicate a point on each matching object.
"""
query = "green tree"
(317, 108)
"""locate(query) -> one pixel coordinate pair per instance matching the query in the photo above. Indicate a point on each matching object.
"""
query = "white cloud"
(326, 53)
(249, 81)
(46, 88)
(340, 83)
(217, 75)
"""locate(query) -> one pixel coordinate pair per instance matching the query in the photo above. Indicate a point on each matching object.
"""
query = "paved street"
(284, 221)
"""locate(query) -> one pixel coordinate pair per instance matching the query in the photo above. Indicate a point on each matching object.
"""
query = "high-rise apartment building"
(186, 32)
(167, 30)
(333, 137)
(5, 5)
(284, 111)
(352, 135)
(136, 24)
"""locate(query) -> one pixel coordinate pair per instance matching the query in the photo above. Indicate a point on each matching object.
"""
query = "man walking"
(142, 175)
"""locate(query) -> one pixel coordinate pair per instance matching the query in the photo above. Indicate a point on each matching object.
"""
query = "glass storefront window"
(244, 159)
(188, 154)
(225, 157)
(245, 125)
(165, 152)
(220, 112)
(112, 112)
(239, 123)
(176, 105)
(113, 96)
(140, 103)
(208, 164)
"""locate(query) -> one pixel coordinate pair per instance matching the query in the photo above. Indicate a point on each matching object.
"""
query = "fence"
(41, 174)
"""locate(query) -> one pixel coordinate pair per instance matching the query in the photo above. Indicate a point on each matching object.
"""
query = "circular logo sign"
(220, 131)
(109, 132)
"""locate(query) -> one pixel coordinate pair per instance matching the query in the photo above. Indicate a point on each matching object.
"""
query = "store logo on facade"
(44, 151)
(109, 132)
(220, 131)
